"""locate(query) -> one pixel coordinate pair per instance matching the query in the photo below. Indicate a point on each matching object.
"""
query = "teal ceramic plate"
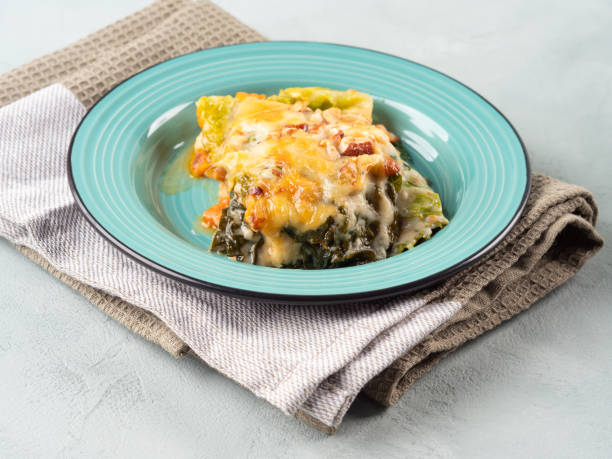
(126, 166)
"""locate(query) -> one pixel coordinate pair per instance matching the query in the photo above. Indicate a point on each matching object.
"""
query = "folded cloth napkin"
(310, 361)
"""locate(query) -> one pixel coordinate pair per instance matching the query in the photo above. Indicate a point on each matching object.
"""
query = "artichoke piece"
(323, 98)
(421, 203)
(213, 114)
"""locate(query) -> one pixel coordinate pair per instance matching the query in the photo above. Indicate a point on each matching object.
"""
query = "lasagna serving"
(308, 181)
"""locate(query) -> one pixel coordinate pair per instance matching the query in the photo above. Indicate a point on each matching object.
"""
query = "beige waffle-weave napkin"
(315, 376)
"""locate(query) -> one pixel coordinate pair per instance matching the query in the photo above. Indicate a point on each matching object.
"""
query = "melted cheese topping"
(292, 166)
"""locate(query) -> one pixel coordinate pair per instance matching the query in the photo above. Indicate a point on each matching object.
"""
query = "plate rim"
(370, 295)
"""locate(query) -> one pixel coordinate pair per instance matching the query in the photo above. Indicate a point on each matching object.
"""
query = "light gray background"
(75, 383)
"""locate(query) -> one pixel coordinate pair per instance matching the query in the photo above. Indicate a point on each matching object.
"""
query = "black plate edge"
(371, 295)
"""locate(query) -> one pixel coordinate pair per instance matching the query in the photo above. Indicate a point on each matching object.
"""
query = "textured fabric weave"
(310, 358)
(93, 65)
(550, 243)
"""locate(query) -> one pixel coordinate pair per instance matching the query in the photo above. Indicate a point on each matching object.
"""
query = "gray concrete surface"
(73, 383)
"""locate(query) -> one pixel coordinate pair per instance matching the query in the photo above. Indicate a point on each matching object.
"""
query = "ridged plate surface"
(124, 147)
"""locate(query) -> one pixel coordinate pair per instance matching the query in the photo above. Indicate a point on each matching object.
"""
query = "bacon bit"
(199, 164)
(256, 191)
(392, 137)
(302, 126)
(212, 216)
(216, 173)
(391, 166)
(358, 149)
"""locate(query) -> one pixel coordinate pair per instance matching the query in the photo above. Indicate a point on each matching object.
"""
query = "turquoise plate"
(126, 166)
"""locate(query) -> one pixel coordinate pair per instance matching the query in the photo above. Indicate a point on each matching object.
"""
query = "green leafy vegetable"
(229, 238)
